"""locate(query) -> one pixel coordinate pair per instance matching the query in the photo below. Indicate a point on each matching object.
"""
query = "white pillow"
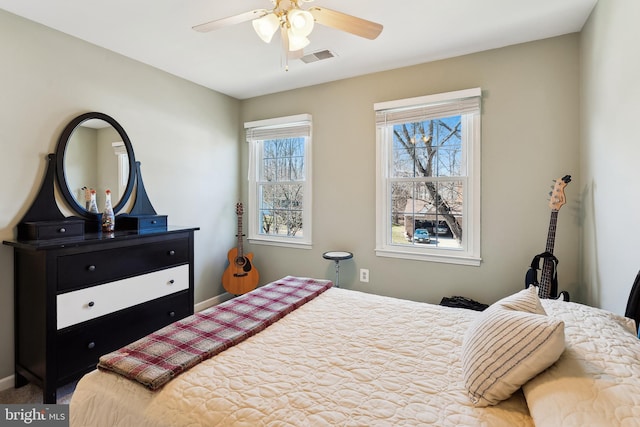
(508, 344)
(526, 300)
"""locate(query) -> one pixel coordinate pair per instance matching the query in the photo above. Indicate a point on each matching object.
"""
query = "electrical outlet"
(364, 275)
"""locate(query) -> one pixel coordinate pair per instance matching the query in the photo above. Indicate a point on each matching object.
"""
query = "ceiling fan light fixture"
(297, 42)
(300, 22)
(295, 24)
(266, 26)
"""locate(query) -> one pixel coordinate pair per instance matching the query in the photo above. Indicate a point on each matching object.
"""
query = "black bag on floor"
(463, 302)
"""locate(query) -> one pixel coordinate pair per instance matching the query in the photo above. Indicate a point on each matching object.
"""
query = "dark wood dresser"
(79, 298)
(83, 288)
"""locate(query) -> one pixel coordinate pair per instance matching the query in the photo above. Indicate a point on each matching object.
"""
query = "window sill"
(445, 257)
(281, 243)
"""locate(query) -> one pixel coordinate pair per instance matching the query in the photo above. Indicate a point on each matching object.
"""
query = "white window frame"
(469, 253)
(123, 166)
(289, 126)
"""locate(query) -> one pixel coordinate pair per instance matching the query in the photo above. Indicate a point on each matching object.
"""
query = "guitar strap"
(531, 278)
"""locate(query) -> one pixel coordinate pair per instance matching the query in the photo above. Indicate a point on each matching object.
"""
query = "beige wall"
(530, 136)
(186, 137)
(610, 66)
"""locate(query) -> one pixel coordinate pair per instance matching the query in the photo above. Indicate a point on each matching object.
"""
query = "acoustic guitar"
(548, 286)
(241, 276)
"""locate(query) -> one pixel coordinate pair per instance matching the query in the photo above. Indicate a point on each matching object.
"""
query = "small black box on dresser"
(45, 230)
(141, 222)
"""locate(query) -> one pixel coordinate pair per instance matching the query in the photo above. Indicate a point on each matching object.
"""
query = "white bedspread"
(596, 381)
(344, 359)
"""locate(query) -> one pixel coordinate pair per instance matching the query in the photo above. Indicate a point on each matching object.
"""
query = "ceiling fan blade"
(351, 24)
(231, 20)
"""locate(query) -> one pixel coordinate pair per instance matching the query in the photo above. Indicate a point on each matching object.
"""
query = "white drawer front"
(89, 303)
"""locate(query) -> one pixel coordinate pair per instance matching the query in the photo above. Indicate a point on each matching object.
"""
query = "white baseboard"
(7, 383)
(212, 301)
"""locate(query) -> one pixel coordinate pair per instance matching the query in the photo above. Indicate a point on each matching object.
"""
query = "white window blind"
(428, 107)
(283, 127)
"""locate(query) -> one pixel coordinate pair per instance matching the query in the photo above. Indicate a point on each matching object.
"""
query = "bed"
(348, 358)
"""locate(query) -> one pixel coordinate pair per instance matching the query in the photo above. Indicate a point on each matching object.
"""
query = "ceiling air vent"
(317, 56)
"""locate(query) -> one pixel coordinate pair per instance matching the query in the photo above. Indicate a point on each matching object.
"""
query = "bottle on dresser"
(93, 206)
(108, 217)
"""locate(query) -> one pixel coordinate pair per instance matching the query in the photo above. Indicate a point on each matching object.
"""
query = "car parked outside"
(441, 229)
(421, 235)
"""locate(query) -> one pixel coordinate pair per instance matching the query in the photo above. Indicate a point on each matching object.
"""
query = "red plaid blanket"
(160, 356)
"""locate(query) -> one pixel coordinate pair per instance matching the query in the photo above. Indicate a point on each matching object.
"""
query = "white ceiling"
(236, 62)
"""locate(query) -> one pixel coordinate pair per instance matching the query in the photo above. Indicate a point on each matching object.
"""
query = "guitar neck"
(240, 251)
(551, 235)
(547, 266)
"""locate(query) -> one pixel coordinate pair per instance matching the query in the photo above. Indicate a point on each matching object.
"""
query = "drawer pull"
(62, 230)
(172, 314)
(91, 345)
(153, 221)
(91, 304)
(91, 268)
(171, 282)
(171, 252)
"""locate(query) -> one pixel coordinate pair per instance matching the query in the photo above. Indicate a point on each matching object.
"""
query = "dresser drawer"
(142, 222)
(80, 347)
(90, 303)
(87, 268)
(43, 230)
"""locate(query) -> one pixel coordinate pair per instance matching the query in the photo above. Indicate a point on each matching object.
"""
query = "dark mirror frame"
(60, 171)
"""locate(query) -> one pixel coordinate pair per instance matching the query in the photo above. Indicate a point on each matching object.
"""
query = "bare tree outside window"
(426, 188)
(281, 186)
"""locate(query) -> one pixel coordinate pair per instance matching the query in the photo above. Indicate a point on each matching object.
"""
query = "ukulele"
(548, 286)
(241, 275)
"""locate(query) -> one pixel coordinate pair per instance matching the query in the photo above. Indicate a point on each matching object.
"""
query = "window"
(428, 178)
(123, 167)
(279, 202)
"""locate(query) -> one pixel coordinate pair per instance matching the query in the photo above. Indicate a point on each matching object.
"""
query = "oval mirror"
(94, 153)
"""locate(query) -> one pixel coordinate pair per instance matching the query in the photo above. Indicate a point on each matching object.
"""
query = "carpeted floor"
(33, 394)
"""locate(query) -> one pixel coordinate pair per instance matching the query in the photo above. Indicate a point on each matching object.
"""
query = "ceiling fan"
(295, 24)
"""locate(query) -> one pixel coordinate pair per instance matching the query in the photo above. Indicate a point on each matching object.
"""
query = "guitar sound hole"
(240, 261)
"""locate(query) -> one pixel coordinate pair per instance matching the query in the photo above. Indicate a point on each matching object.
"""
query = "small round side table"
(337, 256)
